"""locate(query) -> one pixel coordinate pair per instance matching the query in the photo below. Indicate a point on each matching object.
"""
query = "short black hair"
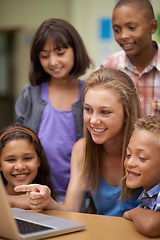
(144, 5)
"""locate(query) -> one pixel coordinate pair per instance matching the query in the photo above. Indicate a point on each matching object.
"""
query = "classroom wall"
(21, 18)
(30, 13)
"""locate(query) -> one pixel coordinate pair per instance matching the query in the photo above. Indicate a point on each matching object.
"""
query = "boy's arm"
(146, 221)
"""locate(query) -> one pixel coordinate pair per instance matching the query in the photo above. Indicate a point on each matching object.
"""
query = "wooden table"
(98, 227)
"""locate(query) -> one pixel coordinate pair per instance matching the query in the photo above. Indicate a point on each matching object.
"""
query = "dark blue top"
(107, 200)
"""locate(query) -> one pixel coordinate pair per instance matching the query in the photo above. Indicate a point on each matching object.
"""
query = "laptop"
(16, 223)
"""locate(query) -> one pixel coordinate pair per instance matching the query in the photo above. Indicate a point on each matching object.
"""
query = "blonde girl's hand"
(38, 196)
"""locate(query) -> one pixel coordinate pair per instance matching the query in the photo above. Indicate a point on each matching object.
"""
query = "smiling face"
(132, 29)
(142, 161)
(19, 163)
(56, 62)
(103, 114)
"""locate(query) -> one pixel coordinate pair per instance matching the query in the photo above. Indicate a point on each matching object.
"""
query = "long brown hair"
(19, 131)
(63, 35)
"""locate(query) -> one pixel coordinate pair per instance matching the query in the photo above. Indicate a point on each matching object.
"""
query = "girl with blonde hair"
(110, 108)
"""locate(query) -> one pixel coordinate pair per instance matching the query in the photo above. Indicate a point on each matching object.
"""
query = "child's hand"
(38, 196)
(127, 215)
(146, 221)
(18, 201)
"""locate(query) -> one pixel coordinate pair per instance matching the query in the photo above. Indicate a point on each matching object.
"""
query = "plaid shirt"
(147, 82)
(151, 199)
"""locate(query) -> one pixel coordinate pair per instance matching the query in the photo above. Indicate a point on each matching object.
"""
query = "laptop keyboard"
(28, 227)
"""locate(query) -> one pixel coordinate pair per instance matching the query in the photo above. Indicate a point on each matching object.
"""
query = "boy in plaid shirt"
(142, 169)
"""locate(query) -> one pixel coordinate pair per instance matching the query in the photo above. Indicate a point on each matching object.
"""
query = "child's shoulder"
(28, 87)
(113, 60)
(79, 145)
(29, 91)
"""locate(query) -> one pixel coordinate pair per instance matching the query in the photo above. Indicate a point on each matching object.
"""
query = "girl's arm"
(77, 187)
(146, 221)
(39, 195)
(18, 201)
(22, 104)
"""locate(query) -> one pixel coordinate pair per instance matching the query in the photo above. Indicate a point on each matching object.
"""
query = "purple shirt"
(58, 135)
